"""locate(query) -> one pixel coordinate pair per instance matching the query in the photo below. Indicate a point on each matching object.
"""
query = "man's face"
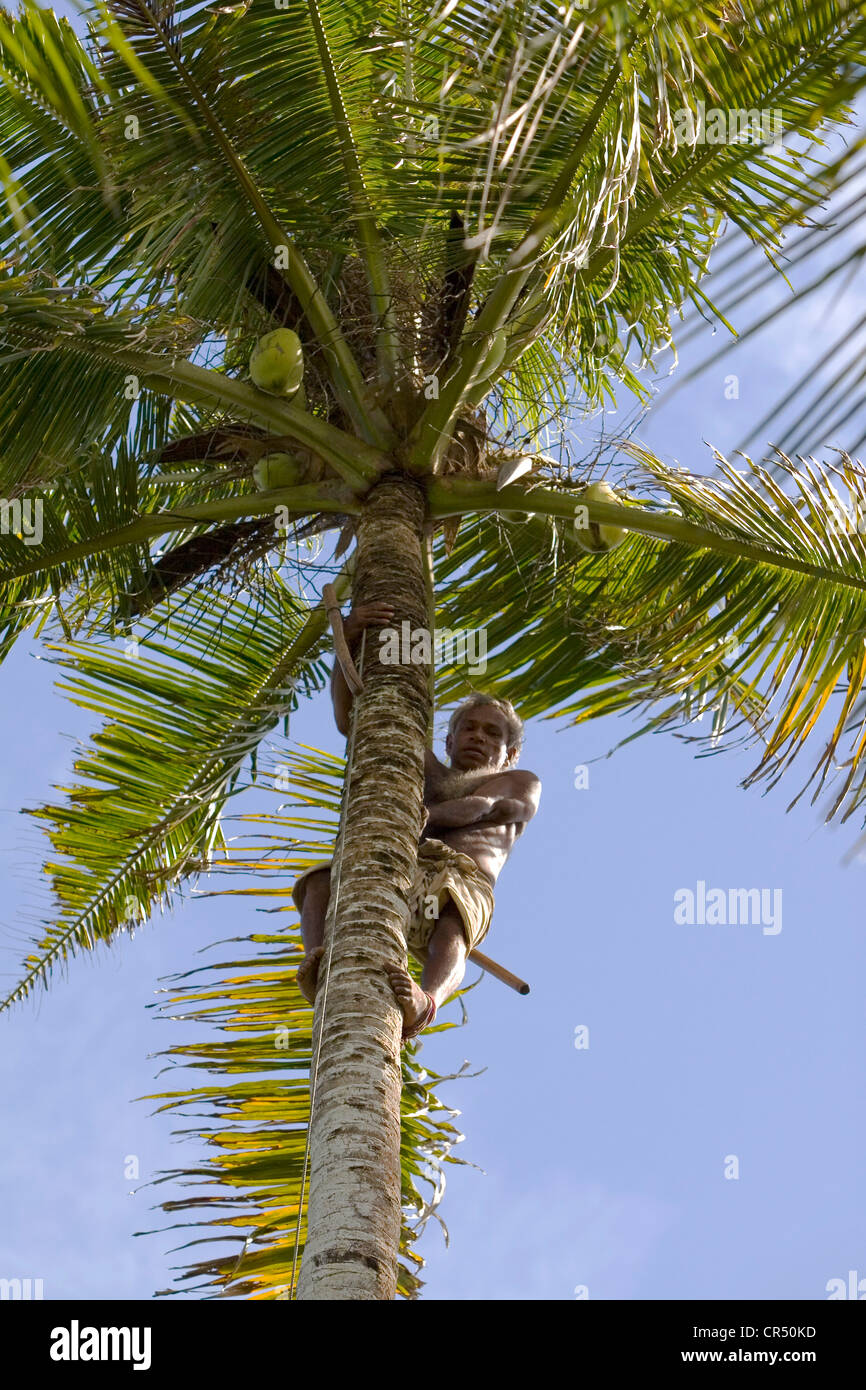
(480, 740)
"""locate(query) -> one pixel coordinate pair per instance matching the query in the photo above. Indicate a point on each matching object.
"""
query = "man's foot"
(308, 974)
(418, 1009)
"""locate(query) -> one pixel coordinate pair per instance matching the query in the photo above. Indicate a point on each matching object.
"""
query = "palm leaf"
(184, 712)
(829, 393)
(625, 213)
(188, 76)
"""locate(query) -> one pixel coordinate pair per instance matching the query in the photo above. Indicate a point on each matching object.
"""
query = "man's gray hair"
(505, 707)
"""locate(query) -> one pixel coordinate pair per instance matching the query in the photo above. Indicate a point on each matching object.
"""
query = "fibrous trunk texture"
(354, 1199)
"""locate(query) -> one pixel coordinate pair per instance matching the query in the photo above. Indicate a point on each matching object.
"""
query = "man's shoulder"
(517, 780)
(522, 777)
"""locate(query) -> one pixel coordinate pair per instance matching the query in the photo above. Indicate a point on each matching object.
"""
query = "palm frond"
(626, 211)
(185, 710)
(820, 260)
(188, 75)
(57, 177)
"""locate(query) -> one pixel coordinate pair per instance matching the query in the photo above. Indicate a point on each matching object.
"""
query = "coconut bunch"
(431, 298)
(281, 365)
(593, 537)
(277, 365)
(285, 365)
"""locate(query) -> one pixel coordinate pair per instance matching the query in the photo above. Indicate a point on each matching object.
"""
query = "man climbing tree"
(475, 810)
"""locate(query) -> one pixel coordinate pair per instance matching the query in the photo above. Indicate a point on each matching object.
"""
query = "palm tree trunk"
(354, 1201)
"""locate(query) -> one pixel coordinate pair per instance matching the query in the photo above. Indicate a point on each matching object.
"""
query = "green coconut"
(594, 537)
(277, 470)
(277, 362)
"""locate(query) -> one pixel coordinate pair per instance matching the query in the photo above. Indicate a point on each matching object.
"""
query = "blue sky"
(604, 1167)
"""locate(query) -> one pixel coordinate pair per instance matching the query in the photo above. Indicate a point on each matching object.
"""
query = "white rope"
(323, 983)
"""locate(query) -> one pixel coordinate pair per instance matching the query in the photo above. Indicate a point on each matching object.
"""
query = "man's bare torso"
(490, 840)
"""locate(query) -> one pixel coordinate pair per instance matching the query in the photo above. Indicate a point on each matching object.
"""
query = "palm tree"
(470, 217)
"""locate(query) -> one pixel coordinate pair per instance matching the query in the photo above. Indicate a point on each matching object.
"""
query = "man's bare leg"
(444, 968)
(444, 962)
(314, 906)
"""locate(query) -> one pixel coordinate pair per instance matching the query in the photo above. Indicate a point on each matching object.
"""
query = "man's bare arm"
(366, 615)
(517, 803)
(465, 810)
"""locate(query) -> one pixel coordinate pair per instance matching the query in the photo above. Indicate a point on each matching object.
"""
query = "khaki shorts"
(442, 873)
